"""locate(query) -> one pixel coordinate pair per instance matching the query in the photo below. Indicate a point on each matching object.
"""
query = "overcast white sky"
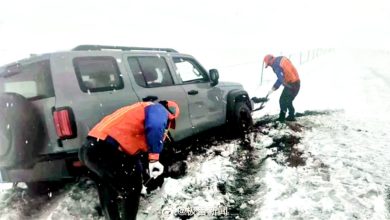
(204, 28)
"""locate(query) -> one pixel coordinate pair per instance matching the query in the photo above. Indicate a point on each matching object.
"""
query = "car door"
(152, 81)
(206, 104)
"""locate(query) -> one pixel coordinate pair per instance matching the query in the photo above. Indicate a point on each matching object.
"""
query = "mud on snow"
(210, 176)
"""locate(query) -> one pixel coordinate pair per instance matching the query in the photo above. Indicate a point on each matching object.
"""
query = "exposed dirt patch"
(314, 113)
(244, 186)
(174, 152)
(83, 192)
(267, 120)
(295, 126)
(27, 204)
(249, 164)
(287, 145)
(295, 158)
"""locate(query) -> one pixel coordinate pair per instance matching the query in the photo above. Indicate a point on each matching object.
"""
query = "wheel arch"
(233, 97)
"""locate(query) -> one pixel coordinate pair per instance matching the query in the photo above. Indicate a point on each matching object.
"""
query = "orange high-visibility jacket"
(285, 71)
(127, 126)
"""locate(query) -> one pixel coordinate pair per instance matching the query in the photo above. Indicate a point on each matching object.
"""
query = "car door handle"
(193, 92)
(149, 98)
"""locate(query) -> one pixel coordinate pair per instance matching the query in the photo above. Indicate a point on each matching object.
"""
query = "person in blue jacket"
(113, 152)
(287, 76)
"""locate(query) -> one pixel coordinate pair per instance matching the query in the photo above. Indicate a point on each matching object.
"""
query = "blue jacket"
(156, 121)
(278, 71)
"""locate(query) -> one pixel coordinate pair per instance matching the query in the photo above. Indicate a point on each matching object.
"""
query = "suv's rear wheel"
(44, 187)
(20, 131)
(242, 118)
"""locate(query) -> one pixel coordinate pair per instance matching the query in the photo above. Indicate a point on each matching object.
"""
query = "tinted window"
(97, 74)
(189, 70)
(33, 81)
(150, 71)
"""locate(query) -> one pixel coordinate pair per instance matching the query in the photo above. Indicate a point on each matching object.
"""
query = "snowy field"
(333, 163)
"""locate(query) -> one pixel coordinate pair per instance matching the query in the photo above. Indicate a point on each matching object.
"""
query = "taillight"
(77, 164)
(64, 123)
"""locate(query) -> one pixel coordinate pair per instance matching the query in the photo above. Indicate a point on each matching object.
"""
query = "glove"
(155, 169)
(144, 190)
(270, 91)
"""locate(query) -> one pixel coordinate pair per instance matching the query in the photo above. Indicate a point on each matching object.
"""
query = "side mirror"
(214, 76)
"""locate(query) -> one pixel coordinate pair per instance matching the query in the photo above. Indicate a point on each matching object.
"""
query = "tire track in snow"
(245, 184)
(248, 187)
(268, 141)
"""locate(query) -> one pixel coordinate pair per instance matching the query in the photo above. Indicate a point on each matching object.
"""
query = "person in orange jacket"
(287, 76)
(113, 148)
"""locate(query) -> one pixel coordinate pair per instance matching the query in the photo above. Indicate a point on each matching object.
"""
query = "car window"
(96, 74)
(189, 70)
(33, 81)
(150, 71)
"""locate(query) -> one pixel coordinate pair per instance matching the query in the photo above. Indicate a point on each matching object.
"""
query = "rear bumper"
(49, 170)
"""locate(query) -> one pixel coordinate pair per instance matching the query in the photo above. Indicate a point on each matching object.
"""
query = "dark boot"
(291, 118)
(282, 117)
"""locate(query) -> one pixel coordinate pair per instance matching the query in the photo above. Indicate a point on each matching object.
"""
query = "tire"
(242, 119)
(21, 131)
(44, 187)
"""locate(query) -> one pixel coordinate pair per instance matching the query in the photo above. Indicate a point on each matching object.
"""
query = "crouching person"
(113, 148)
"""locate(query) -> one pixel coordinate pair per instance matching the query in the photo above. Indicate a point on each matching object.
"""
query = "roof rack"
(102, 47)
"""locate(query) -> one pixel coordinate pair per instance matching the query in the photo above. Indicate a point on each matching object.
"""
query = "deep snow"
(332, 164)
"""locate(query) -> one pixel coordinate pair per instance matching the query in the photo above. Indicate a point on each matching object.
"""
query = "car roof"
(96, 50)
(121, 48)
(25, 61)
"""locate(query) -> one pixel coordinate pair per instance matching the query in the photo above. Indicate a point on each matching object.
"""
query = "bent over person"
(287, 76)
(112, 152)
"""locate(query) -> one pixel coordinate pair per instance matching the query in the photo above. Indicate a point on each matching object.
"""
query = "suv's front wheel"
(242, 118)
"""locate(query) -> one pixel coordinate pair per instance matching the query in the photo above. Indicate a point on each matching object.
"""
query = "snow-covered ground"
(332, 164)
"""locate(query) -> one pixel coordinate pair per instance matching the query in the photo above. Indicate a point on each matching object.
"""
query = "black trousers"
(287, 97)
(115, 173)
